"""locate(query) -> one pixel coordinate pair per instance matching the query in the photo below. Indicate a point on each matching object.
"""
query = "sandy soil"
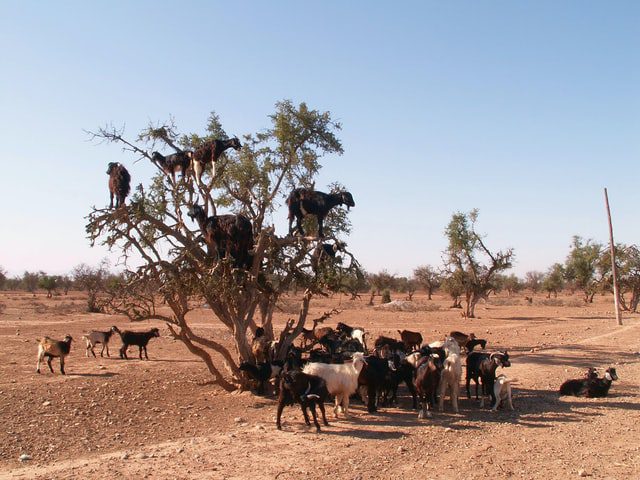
(109, 418)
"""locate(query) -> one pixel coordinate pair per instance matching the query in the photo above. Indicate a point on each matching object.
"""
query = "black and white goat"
(95, 336)
(50, 348)
(590, 386)
(262, 373)
(303, 202)
(306, 390)
(355, 333)
(226, 235)
(170, 164)
(481, 365)
(209, 152)
(140, 339)
(119, 183)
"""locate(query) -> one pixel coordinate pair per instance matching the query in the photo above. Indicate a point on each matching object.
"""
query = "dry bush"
(552, 302)
(507, 302)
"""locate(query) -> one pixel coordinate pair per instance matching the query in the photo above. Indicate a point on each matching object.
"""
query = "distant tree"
(3, 278)
(93, 280)
(533, 281)
(30, 281)
(453, 284)
(428, 278)
(474, 264)
(408, 286)
(628, 268)
(380, 282)
(553, 281)
(65, 282)
(511, 283)
(48, 283)
(581, 266)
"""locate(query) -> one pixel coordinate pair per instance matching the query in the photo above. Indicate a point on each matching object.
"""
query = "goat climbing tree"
(166, 261)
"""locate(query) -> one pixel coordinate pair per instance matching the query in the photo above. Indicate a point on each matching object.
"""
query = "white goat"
(502, 391)
(358, 334)
(342, 380)
(451, 374)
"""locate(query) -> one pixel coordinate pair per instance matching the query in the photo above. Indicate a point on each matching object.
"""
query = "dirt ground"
(110, 418)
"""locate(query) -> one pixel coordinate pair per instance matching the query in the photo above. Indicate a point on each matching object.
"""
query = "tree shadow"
(582, 356)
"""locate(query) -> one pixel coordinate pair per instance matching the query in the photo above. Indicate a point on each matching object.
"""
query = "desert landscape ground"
(110, 418)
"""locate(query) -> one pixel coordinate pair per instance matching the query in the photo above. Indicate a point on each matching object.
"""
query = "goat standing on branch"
(210, 152)
(303, 202)
(119, 183)
(227, 235)
(170, 164)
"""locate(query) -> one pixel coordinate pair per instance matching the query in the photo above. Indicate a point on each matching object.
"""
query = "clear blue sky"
(525, 110)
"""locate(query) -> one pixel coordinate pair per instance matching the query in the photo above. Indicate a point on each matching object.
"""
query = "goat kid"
(502, 391)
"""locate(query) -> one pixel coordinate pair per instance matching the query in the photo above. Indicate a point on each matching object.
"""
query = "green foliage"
(48, 283)
(386, 296)
(581, 266)
(533, 280)
(511, 284)
(471, 266)
(428, 278)
(3, 278)
(30, 281)
(553, 281)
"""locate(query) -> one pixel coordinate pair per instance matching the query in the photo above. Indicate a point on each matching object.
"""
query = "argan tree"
(553, 281)
(533, 281)
(470, 262)
(581, 266)
(428, 278)
(48, 283)
(178, 269)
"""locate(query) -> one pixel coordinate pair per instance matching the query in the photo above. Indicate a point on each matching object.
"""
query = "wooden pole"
(613, 262)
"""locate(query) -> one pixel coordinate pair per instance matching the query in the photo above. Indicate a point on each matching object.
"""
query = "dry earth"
(109, 418)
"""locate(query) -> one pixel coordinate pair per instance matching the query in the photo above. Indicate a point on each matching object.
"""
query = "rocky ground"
(109, 418)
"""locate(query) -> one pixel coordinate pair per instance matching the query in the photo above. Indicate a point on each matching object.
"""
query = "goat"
(502, 391)
(483, 365)
(50, 348)
(94, 337)
(262, 372)
(303, 202)
(426, 383)
(260, 345)
(392, 344)
(226, 235)
(451, 374)
(141, 339)
(374, 376)
(401, 370)
(411, 340)
(590, 386)
(342, 380)
(355, 333)
(325, 253)
(461, 338)
(470, 345)
(308, 391)
(172, 163)
(119, 183)
(210, 152)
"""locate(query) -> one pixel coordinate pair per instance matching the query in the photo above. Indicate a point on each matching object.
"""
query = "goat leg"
(315, 416)
(304, 405)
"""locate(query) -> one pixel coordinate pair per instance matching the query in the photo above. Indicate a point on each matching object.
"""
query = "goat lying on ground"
(411, 340)
(262, 373)
(483, 365)
(170, 164)
(308, 391)
(141, 339)
(209, 152)
(95, 336)
(342, 380)
(591, 386)
(303, 202)
(226, 235)
(50, 348)
(119, 183)
(502, 391)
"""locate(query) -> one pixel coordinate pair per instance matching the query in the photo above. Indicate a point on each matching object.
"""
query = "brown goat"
(119, 183)
(210, 152)
(411, 340)
(50, 348)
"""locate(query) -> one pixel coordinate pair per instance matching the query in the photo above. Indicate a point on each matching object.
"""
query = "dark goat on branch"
(303, 202)
(210, 152)
(172, 163)
(308, 391)
(119, 183)
(227, 235)
(141, 339)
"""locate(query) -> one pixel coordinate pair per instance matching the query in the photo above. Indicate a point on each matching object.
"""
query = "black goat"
(226, 235)
(262, 372)
(308, 391)
(411, 340)
(375, 377)
(119, 183)
(172, 163)
(95, 336)
(325, 253)
(140, 339)
(209, 152)
(400, 371)
(303, 202)
(591, 386)
(392, 344)
(426, 382)
(483, 365)
(470, 345)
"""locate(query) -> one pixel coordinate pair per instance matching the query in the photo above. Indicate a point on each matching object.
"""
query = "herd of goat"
(334, 363)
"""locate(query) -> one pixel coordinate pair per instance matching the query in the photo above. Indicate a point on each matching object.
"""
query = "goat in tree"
(303, 202)
(210, 152)
(172, 163)
(119, 183)
(226, 234)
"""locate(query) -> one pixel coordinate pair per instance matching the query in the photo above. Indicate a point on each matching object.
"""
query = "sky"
(523, 110)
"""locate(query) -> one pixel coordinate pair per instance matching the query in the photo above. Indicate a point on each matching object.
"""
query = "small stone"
(448, 429)
(582, 473)
(24, 457)
(401, 449)
(238, 420)
(46, 403)
(124, 456)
